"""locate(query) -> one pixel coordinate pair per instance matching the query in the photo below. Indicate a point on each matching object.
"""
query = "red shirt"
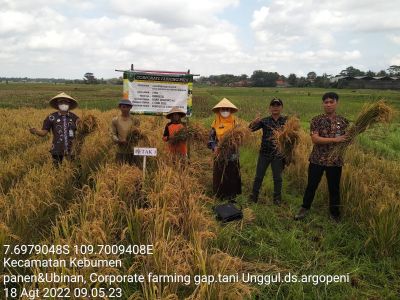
(169, 131)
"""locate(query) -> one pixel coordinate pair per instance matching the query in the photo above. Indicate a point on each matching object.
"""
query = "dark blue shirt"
(63, 128)
(268, 125)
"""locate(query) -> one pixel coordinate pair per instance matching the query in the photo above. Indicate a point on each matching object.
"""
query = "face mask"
(225, 114)
(63, 107)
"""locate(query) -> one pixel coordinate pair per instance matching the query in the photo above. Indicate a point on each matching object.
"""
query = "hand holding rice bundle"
(134, 136)
(224, 140)
(371, 114)
(194, 132)
(286, 139)
(87, 124)
(231, 141)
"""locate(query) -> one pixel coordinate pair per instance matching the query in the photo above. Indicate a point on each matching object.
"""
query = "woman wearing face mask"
(226, 174)
(62, 124)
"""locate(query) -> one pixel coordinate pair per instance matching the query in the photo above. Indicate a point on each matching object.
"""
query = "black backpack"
(228, 212)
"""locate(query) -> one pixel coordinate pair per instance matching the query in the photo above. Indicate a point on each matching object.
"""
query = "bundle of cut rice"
(86, 125)
(230, 142)
(371, 114)
(135, 135)
(194, 132)
(286, 139)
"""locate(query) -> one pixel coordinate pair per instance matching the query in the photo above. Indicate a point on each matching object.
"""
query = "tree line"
(261, 78)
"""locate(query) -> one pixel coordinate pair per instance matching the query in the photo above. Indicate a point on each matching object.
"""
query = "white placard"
(145, 151)
(158, 94)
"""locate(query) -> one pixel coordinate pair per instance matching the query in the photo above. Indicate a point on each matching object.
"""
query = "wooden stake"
(144, 167)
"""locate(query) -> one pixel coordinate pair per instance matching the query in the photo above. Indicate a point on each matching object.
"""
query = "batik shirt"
(268, 125)
(328, 128)
(63, 128)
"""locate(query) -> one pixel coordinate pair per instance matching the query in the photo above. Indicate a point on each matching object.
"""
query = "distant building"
(241, 83)
(366, 82)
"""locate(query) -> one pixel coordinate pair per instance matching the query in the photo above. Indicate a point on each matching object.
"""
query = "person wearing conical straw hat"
(63, 125)
(227, 183)
(122, 127)
(175, 125)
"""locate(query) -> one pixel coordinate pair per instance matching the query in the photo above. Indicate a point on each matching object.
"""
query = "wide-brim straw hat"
(54, 101)
(225, 103)
(125, 102)
(175, 110)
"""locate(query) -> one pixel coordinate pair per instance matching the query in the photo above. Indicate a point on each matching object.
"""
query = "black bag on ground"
(228, 212)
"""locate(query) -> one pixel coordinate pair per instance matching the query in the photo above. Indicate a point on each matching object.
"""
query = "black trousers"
(333, 175)
(58, 158)
(277, 167)
(227, 182)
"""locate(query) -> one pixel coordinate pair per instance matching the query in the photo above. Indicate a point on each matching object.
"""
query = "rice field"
(92, 201)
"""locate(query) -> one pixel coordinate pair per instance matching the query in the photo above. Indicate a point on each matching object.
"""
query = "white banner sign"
(145, 151)
(157, 93)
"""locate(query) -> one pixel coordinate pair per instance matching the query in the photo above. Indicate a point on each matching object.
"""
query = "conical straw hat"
(175, 110)
(72, 101)
(225, 103)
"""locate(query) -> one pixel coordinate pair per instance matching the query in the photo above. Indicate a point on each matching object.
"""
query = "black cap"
(276, 101)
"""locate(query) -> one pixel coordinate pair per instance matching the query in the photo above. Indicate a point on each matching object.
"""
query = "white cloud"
(395, 39)
(14, 21)
(174, 13)
(165, 35)
(144, 42)
(321, 34)
(395, 60)
(52, 39)
(66, 38)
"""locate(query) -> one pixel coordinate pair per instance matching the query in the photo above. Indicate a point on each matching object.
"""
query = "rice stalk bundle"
(194, 132)
(371, 114)
(230, 143)
(87, 124)
(135, 135)
(287, 138)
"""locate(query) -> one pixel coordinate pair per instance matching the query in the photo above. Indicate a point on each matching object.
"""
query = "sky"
(67, 38)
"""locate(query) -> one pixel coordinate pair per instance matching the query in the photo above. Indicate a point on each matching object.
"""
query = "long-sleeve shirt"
(120, 128)
(63, 127)
(268, 125)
